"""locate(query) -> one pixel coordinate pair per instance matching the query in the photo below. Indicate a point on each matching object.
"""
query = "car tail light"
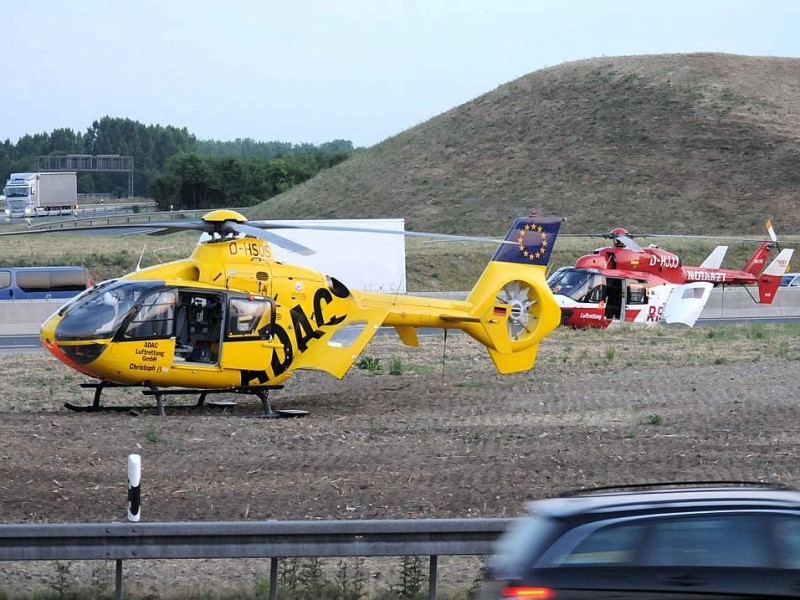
(518, 591)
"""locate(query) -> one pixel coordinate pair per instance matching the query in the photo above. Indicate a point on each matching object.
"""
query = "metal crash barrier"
(257, 539)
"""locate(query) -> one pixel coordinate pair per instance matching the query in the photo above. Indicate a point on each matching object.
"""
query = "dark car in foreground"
(689, 541)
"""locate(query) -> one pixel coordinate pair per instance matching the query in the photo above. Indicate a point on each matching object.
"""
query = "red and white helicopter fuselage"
(627, 283)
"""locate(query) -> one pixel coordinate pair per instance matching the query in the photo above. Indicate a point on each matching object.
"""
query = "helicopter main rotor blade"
(231, 226)
(724, 238)
(169, 227)
(156, 228)
(422, 234)
(666, 235)
(272, 237)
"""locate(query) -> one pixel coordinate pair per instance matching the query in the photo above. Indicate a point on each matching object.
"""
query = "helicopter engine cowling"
(598, 260)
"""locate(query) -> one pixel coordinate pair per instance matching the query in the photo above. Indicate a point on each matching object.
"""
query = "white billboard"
(362, 260)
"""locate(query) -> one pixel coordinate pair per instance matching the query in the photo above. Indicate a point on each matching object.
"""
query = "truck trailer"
(41, 194)
(366, 260)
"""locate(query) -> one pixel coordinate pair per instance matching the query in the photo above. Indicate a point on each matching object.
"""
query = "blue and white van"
(42, 283)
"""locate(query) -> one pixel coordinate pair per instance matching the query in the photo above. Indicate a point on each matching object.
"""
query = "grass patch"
(298, 579)
(151, 435)
(654, 419)
(396, 366)
(369, 363)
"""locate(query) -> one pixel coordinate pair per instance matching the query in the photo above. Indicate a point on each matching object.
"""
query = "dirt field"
(446, 437)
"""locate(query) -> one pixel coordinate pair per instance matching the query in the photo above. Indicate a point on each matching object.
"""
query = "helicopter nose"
(48, 334)
(74, 356)
(48, 337)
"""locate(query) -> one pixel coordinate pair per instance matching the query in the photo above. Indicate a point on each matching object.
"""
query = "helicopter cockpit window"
(98, 312)
(155, 317)
(598, 291)
(245, 314)
(574, 283)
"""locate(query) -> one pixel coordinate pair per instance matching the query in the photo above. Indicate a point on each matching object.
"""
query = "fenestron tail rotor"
(520, 297)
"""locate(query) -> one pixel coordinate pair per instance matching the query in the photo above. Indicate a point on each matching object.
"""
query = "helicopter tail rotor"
(520, 298)
(772, 235)
(513, 306)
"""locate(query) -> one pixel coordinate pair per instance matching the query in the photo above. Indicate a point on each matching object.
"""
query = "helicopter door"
(153, 319)
(198, 327)
(248, 329)
(147, 337)
(615, 298)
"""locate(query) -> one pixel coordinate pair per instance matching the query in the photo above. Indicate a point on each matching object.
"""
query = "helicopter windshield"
(571, 282)
(98, 312)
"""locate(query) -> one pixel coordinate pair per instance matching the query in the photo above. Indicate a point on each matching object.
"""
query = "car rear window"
(734, 540)
(787, 539)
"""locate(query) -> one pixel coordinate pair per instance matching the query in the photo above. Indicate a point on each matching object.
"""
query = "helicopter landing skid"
(159, 393)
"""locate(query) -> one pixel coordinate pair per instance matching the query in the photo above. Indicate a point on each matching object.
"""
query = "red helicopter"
(625, 283)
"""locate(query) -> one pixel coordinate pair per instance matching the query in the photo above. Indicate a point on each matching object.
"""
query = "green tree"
(171, 166)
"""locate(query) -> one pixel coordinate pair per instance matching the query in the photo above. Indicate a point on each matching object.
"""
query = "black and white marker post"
(134, 487)
(134, 507)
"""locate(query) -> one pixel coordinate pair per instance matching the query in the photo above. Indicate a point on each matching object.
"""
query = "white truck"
(39, 194)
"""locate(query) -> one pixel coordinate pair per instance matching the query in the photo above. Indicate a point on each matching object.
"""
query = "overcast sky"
(318, 70)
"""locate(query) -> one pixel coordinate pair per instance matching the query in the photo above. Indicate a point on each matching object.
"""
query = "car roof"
(677, 497)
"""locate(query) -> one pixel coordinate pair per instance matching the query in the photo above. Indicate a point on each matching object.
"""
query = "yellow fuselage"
(231, 316)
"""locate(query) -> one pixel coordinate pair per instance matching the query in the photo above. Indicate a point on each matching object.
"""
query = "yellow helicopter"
(232, 318)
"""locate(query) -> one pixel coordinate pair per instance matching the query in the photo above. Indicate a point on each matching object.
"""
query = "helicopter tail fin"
(512, 307)
(757, 262)
(714, 260)
(770, 279)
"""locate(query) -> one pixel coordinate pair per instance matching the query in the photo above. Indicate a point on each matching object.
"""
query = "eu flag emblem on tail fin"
(530, 241)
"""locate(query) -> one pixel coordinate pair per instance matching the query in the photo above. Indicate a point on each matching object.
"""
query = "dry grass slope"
(685, 143)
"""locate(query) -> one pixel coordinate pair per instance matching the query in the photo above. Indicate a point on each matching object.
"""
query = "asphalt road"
(15, 344)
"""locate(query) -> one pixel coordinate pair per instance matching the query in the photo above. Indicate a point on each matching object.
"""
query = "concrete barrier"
(25, 317)
(739, 303)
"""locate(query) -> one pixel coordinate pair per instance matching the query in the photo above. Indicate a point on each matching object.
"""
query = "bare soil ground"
(446, 437)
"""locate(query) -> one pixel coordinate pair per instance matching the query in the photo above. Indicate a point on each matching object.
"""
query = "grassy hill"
(686, 143)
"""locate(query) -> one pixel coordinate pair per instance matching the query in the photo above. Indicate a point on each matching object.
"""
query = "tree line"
(174, 168)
